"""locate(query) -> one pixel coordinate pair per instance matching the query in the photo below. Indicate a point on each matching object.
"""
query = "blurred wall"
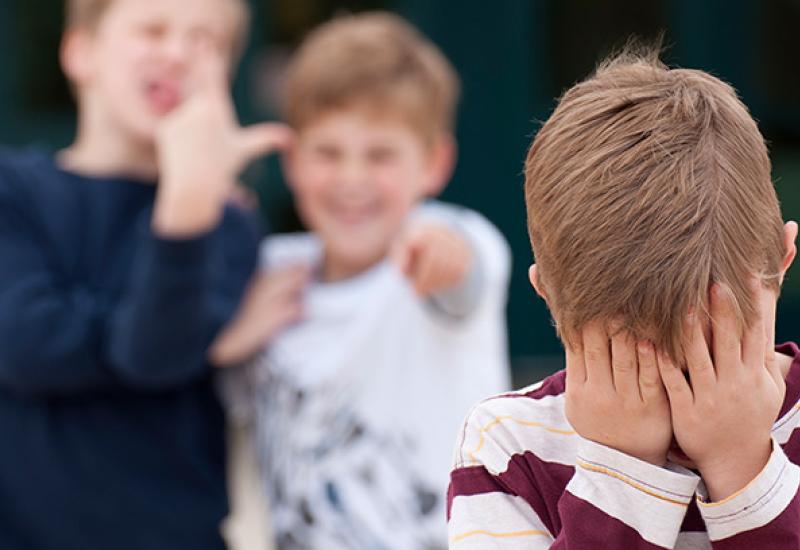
(515, 57)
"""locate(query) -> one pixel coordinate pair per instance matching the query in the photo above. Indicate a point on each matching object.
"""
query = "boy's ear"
(443, 161)
(533, 275)
(75, 55)
(789, 238)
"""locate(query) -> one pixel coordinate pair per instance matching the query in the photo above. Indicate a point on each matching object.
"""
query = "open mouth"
(162, 96)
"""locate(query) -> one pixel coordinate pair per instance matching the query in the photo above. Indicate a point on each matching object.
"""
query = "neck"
(334, 270)
(101, 149)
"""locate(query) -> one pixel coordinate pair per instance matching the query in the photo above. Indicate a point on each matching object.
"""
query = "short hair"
(88, 13)
(85, 13)
(645, 186)
(375, 60)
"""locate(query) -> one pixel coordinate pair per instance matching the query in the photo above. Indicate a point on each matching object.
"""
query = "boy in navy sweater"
(113, 289)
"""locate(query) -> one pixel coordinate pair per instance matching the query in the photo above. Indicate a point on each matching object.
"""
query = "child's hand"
(614, 395)
(272, 302)
(433, 256)
(202, 149)
(722, 421)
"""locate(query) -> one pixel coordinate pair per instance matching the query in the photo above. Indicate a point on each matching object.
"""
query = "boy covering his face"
(659, 249)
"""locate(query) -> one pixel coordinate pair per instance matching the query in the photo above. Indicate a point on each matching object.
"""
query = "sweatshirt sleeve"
(181, 292)
(764, 514)
(51, 332)
(495, 500)
(60, 336)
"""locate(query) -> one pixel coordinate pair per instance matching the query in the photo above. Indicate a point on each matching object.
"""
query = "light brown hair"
(88, 13)
(375, 60)
(85, 13)
(646, 185)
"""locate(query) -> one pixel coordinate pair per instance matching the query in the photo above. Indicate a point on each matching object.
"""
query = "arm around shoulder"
(181, 294)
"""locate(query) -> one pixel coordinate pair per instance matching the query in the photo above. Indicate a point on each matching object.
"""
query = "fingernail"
(691, 316)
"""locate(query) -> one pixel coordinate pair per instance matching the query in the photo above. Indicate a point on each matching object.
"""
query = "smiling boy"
(402, 318)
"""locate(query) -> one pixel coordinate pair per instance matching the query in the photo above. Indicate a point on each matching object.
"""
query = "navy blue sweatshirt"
(112, 434)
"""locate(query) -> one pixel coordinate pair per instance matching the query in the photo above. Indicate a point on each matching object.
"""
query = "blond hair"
(88, 13)
(375, 60)
(646, 185)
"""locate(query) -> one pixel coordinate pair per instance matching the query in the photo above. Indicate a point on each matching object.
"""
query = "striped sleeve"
(765, 514)
(644, 505)
(485, 514)
(501, 492)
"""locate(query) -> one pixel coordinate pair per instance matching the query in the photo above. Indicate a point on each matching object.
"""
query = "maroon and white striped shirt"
(524, 479)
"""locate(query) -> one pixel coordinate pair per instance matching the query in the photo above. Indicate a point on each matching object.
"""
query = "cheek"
(309, 180)
(309, 190)
(401, 187)
(123, 68)
(397, 200)
(399, 197)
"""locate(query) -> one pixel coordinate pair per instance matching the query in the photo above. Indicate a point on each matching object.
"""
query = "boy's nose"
(353, 174)
(177, 50)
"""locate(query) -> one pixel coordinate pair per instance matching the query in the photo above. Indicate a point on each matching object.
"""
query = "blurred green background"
(515, 57)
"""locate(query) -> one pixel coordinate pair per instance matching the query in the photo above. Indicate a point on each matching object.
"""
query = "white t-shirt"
(357, 408)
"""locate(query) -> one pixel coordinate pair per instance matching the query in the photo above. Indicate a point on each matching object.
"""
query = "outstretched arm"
(453, 257)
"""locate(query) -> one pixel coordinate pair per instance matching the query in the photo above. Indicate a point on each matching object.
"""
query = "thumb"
(260, 139)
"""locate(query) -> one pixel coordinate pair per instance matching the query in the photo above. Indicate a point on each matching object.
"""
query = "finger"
(623, 364)
(576, 368)
(675, 384)
(754, 339)
(461, 261)
(403, 258)
(597, 355)
(210, 73)
(280, 318)
(405, 251)
(297, 276)
(260, 139)
(698, 359)
(444, 250)
(447, 269)
(428, 272)
(727, 344)
(297, 284)
(244, 197)
(650, 385)
(285, 281)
